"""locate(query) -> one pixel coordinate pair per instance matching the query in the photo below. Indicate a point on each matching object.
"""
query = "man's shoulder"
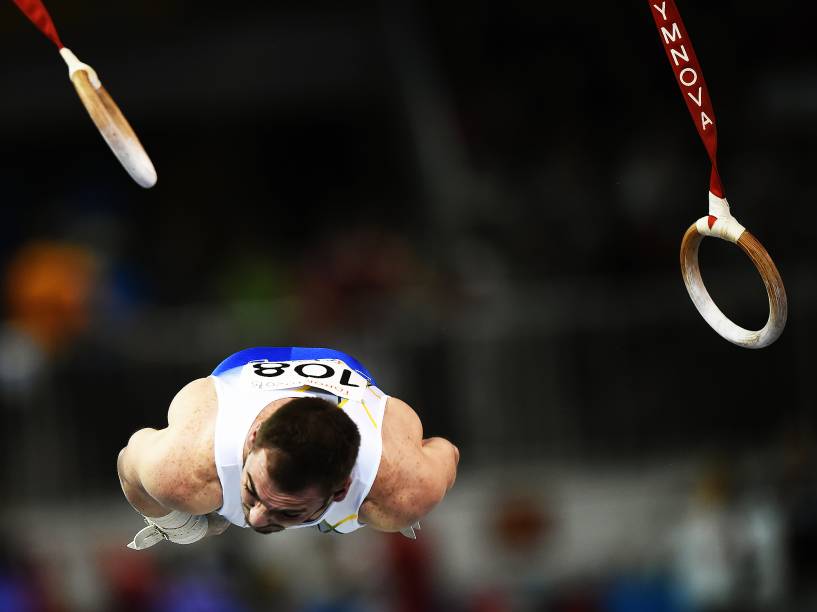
(399, 422)
(194, 405)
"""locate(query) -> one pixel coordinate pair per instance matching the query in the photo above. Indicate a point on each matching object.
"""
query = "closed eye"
(251, 487)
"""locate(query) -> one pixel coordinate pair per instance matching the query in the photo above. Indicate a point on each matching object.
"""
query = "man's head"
(300, 460)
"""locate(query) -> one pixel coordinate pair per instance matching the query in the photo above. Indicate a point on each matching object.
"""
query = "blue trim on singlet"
(289, 353)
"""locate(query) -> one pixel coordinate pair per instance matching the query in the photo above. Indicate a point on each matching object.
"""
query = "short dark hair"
(316, 444)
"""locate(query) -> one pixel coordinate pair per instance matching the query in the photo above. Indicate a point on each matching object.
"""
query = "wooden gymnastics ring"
(725, 226)
(110, 121)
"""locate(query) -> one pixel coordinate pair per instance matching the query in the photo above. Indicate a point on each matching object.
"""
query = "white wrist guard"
(177, 527)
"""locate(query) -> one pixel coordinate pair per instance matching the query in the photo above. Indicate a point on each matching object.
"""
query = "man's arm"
(161, 496)
(415, 474)
(168, 475)
(435, 475)
(173, 468)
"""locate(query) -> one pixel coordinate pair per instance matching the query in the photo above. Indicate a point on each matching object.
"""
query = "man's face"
(267, 509)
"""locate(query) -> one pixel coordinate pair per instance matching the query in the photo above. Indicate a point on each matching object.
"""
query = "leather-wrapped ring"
(778, 306)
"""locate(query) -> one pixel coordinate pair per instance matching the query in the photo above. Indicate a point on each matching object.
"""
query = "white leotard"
(245, 390)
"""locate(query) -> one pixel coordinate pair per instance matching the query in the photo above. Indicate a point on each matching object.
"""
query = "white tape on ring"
(75, 65)
(720, 223)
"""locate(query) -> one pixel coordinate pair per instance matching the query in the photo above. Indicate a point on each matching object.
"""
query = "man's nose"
(258, 516)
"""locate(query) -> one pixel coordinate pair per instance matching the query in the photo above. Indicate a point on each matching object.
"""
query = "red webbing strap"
(690, 78)
(37, 13)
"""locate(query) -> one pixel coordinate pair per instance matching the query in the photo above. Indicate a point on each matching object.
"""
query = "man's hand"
(177, 527)
(216, 524)
(168, 475)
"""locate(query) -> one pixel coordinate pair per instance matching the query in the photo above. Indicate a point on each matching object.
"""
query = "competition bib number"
(328, 374)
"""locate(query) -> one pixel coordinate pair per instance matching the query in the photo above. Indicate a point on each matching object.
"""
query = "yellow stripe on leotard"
(340, 522)
(374, 391)
(345, 401)
(369, 414)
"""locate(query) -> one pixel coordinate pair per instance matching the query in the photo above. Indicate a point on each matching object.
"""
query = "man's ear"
(340, 494)
(254, 433)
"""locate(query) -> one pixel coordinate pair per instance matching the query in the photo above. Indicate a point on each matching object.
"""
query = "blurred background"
(482, 202)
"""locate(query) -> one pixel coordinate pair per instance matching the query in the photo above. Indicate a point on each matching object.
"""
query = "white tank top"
(246, 390)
